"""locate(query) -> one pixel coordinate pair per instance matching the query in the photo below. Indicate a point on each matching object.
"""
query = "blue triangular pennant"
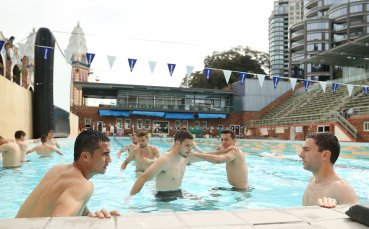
(90, 57)
(171, 68)
(365, 89)
(275, 81)
(334, 87)
(306, 84)
(208, 73)
(242, 77)
(45, 52)
(131, 63)
(1, 44)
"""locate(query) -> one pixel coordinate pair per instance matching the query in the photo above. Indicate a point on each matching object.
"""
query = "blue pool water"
(275, 182)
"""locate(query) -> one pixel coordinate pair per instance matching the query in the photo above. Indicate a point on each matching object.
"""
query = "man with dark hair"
(236, 166)
(66, 189)
(44, 150)
(20, 139)
(326, 189)
(144, 155)
(168, 168)
(51, 140)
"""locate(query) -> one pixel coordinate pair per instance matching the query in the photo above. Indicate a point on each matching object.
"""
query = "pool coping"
(298, 217)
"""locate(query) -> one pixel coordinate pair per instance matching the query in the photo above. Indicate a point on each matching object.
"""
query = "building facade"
(326, 25)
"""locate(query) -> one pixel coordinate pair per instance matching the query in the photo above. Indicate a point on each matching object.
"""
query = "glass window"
(196, 123)
(366, 126)
(185, 123)
(87, 123)
(127, 123)
(356, 8)
(204, 125)
(147, 124)
(139, 123)
(119, 123)
(323, 129)
(177, 124)
(317, 25)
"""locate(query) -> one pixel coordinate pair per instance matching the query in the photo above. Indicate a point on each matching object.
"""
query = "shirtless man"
(144, 155)
(129, 147)
(11, 153)
(168, 168)
(20, 139)
(51, 140)
(326, 189)
(66, 189)
(45, 149)
(237, 173)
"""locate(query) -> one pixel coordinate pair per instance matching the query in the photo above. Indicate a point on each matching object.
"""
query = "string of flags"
(208, 71)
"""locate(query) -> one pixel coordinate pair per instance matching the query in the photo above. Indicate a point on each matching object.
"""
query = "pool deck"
(301, 217)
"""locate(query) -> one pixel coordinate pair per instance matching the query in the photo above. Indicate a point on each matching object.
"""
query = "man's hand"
(104, 214)
(327, 202)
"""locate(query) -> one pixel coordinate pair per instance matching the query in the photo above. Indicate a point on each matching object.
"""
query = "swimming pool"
(275, 182)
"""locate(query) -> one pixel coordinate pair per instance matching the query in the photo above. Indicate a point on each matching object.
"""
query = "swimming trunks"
(167, 196)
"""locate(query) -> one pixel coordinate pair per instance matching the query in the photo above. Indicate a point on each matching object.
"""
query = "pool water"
(275, 182)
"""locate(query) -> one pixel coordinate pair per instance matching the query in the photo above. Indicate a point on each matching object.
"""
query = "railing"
(364, 110)
(181, 107)
(307, 119)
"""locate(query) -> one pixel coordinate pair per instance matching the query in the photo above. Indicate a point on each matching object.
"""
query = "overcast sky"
(178, 32)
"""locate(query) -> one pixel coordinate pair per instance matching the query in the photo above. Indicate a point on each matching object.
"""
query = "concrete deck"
(303, 217)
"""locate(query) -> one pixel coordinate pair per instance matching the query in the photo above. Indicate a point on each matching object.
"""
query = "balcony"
(209, 108)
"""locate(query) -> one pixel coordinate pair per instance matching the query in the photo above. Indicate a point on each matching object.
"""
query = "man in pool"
(45, 149)
(51, 140)
(20, 139)
(66, 189)
(168, 169)
(130, 146)
(236, 165)
(11, 153)
(144, 155)
(326, 189)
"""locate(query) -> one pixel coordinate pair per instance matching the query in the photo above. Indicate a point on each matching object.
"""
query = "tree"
(240, 59)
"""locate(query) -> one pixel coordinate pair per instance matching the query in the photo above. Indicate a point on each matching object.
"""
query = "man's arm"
(122, 150)
(70, 202)
(57, 144)
(156, 152)
(58, 151)
(131, 156)
(158, 166)
(31, 150)
(216, 159)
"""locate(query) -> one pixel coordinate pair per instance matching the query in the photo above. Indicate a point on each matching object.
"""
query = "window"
(127, 123)
(87, 123)
(119, 123)
(139, 123)
(366, 126)
(204, 125)
(177, 124)
(147, 124)
(323, 129)
(185, 123)
(161, 127)
(196, 124)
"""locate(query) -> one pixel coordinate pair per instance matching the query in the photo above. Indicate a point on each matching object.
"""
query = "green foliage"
(240, 59)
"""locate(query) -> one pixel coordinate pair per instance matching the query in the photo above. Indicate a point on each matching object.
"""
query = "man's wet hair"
(142, 134)
(19, 133)
(327, 141)
(88, 141)
(233, 136)
(182, 135)
(43, 138)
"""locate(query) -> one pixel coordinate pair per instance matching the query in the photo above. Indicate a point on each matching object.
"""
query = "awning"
(179, 116)
(209, 116)
(149, 113)
(114, 113)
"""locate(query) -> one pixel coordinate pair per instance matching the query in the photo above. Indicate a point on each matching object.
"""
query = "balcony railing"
(174, 108)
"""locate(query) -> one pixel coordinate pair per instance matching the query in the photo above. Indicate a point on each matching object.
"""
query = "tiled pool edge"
(300, 217)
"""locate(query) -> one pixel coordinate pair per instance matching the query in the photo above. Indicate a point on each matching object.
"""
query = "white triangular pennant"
(152, 65)
(189, 70)
(350, 87)
(323, 84)
(261, 79)
(293, 83)
(68, 55)
(227, 75)
(111, 60)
